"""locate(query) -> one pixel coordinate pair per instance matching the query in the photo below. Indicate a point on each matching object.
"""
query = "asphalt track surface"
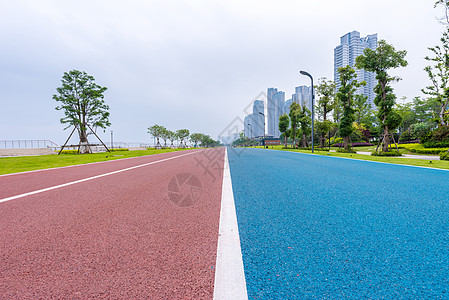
(148, 232)
(316, 227)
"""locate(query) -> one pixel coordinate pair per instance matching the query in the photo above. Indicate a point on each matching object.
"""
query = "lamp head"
(305, 73)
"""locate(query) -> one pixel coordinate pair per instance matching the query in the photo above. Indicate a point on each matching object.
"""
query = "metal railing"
(27, 144)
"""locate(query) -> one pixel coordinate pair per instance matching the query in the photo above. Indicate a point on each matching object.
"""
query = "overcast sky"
(187, 64)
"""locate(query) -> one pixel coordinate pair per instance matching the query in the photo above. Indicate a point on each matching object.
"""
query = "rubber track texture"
(315, 227)
(117, 237)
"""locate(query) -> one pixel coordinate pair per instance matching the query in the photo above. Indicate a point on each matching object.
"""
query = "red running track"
(126, 235)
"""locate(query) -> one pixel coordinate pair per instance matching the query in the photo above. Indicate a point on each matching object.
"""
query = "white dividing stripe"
(230, 280)
(90, 178)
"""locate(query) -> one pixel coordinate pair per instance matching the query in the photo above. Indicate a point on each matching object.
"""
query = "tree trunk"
(84, 147)
(386, 141)
(442, 110)
(293, 136)
(304, 140)
(323, 138)
(285, 139)
(346, 143)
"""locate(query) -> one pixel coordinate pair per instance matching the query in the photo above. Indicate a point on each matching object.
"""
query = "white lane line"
(230, 280)
(90, 178)
(370, 161)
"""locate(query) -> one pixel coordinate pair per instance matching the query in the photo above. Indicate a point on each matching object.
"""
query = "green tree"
(425, 110)
(326, 94)
(182, 134)
(438, 74)
(171, 136)
(196, 138)
(156, 131)
(305, 122)
(405, 111)
(323, 128)
(362, 109)
(82, 102)
(337, 110)
(345, 95)
(284, 123)
(379, 61)
(294, 120)
(445, 4)
(419, 130)
(165, 135)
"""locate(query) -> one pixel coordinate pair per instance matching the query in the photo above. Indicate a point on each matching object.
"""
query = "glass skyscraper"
(254, 123)
(351, 46)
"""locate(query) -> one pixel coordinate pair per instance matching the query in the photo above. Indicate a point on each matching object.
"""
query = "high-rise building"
(286, 106)
(303, 96)
(254, 124)
(271, 111)
(258, 118)
(351, 46)
(278, 99)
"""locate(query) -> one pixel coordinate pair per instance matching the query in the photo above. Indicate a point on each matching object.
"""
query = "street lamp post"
(313, 98)
(251, 136)
(112, 140)
(263, 127)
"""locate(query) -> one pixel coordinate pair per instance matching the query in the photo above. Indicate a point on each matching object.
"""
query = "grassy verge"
(10, 165)
(439, 164)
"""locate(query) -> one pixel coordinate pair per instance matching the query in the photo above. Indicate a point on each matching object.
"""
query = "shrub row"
(419, 149)
(444, 155)
(389, 153)
(432, 144)
(428, 150)
(410, 142)
(346, 151)
(355, 144)
(76, 151)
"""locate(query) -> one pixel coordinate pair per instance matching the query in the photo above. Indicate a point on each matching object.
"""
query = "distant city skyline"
(188, 64)
(276, 107)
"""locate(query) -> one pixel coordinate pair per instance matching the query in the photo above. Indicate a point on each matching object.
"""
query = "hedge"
(389, 153)
(419, 149)
(346, 151)
(444, 155)
(429, 150)
(355, 144)
(431, 144)
(76, 151)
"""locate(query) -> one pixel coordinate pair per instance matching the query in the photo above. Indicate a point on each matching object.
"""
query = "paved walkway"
(26, 152)
(425, 157)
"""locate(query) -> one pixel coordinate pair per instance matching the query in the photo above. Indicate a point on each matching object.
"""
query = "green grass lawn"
(29, 163)
(439, 164)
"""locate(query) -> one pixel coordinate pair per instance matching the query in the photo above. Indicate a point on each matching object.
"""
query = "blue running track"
(317, 227)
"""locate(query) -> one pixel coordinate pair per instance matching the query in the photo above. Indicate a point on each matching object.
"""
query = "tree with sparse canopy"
(294, 120)
(82, 102)
(305, 122)
(284, 122)
(345, 95)
(196, 138)
(156, 131)
(439, 76)
(182, 134)
(362, 108)
(379, 61)
(326, 93)
(165, 135)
